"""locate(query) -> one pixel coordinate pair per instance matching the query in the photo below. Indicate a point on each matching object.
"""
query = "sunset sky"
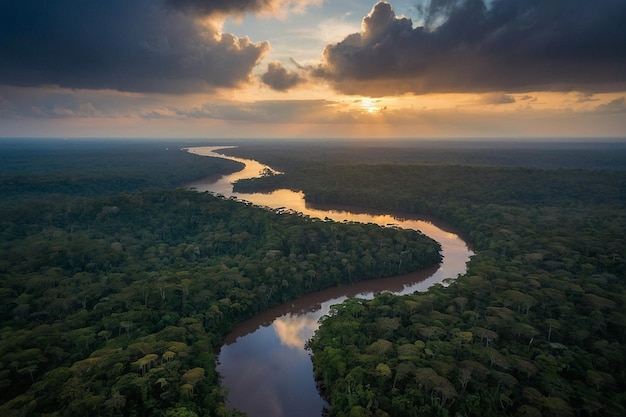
(313, 68)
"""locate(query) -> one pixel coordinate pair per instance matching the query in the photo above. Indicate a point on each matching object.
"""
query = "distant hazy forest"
(116, 287)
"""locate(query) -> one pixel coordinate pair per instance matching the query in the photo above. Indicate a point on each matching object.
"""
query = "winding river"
(263, 362)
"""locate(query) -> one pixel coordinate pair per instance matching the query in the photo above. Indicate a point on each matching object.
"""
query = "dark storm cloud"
(210, 7)
(436, 9)
(124, 45)
(468, 45)
(279, 78)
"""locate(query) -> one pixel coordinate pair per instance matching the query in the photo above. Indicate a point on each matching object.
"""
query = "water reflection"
(263, 362)
(294, 331)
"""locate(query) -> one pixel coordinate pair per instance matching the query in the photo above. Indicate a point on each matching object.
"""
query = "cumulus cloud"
(137, 45)
(279, 78)
(471, 46)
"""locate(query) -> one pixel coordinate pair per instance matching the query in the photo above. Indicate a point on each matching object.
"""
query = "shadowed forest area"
(117, 287)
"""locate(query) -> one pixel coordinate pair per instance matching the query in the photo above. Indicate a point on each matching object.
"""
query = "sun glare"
(369, 105)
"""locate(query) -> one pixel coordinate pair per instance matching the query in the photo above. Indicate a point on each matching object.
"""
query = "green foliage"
(114, 295)
(114, 305)
(536, 327)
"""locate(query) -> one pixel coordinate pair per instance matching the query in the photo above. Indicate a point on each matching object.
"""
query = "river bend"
(263, 362)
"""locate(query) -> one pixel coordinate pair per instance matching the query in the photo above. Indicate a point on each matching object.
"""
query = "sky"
(313, 68)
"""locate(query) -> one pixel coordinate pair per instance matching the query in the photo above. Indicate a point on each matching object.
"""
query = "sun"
(369, 105)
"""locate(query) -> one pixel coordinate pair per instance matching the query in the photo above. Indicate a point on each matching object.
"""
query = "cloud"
(614, 106)
(434, 10)
(51, 102)
(30, 103)
(279, 78)
(585, 97)
(266, 111)
(138, 46)
(472, 46)
(527, 97)
(237, 7)
(497, 98)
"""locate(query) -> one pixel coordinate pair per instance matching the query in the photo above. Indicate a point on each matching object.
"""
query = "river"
(263, 362)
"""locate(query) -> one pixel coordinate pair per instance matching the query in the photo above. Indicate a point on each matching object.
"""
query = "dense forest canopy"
(117, 288)
(538, 324)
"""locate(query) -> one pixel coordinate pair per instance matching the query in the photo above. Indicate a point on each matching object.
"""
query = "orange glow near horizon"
(320, 112)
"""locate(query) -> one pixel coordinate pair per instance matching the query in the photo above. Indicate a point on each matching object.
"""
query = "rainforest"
(118, 284)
